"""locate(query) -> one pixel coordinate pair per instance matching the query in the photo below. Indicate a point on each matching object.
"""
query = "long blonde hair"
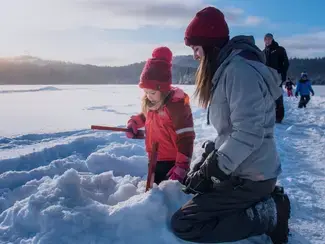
(146, 104)
(204, 75)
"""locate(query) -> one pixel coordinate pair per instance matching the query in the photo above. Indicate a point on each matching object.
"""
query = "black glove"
(196, 183)
(208, 148)
(193, 182)
(202, 180)
(210, 168)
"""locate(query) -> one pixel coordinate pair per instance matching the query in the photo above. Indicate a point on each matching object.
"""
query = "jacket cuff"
(220, 174)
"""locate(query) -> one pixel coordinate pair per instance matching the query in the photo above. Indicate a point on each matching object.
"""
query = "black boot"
(279, 234)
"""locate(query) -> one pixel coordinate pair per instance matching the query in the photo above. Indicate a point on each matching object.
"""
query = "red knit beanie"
(208, 28)
(157, 74)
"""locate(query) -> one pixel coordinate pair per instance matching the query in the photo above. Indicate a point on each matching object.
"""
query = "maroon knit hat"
(157, 74)
(208, 28)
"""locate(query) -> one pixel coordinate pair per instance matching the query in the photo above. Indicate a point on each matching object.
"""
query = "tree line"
(34, 71)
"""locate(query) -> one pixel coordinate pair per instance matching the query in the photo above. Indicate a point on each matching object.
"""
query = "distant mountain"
(185, 61)
(28, 70)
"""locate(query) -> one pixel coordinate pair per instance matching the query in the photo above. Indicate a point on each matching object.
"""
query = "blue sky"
(285, 17)
(118, 32)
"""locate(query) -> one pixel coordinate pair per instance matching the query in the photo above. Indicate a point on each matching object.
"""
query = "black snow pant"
(220, 215)
(279, 109)
(162, 169)
(304, 99)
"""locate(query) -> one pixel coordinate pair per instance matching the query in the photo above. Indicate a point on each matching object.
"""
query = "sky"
(120, 32)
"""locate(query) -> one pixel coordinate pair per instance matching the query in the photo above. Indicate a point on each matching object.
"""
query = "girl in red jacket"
(167, 118)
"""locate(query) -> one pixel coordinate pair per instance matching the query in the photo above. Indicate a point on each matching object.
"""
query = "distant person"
(167, 118)
(304, 89)
(276, 58)
(234, 185)
(289, 87)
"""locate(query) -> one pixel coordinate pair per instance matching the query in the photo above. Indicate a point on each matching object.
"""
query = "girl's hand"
(132, 129)
(178, 172)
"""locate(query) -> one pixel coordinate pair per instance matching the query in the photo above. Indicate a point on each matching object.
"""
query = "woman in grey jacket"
(235, 182)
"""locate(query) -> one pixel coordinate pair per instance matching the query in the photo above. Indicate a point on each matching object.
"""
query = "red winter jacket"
(171, 126)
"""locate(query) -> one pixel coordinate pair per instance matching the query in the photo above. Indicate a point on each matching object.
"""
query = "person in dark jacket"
(234, 182)
(276, 58)
(304, 89)
(289, 87)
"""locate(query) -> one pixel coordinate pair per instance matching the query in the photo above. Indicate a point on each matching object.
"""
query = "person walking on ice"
(289, 87)
(167, 117)
(234, 187)
(277, 58)
(304, 89)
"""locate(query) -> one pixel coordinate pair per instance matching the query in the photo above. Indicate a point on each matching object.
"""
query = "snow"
(61, 182)
(46, 88)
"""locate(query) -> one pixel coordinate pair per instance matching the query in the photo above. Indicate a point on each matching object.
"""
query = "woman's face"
(153, 96)
(198, 52)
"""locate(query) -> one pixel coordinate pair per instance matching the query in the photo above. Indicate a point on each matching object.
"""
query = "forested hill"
(26, 70)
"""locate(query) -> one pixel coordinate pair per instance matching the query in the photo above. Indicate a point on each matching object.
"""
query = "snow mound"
(92, 209)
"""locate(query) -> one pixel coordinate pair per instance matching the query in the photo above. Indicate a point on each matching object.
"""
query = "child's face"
(154, 96)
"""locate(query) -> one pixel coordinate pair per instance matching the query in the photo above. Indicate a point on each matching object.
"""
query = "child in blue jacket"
(304, 89)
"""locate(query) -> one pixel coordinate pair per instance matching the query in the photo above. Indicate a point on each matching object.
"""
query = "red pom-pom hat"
(157, 74)
(207, 28)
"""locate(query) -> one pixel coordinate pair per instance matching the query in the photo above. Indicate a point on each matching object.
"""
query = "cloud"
(306, 41)
(236, 17)
(105, 14)
(129, 14)
(84, 47)
(253, 20)
(305, 45)
(309, 45)
(73, 30)
(171, 13)
(38, 15)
